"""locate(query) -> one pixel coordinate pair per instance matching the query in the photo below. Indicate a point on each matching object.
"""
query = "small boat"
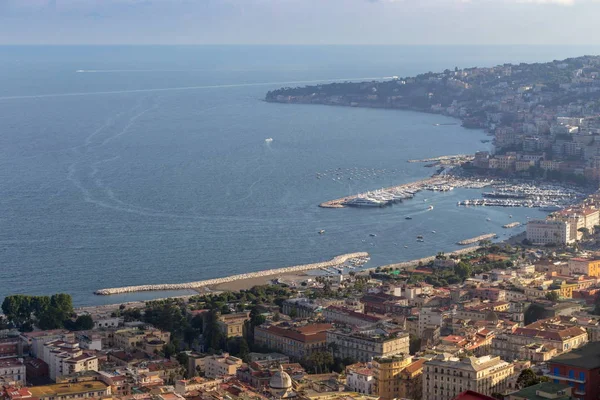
(487, 219)
(268, 140)
(433, 232)
(420, 237)
(430, 208)
(424, 199)
(406, 247)
(420, 240)
(510, 216)
(407, 217)
(372, 234)
(322, 231)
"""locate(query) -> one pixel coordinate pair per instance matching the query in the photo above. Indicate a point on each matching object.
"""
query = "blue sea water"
(151, 165)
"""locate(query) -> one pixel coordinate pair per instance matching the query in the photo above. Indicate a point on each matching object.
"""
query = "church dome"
(491, 316)
(280, 380)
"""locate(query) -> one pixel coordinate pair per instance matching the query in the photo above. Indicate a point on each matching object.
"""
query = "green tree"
(528, 378)
(414, 344)
(84, 323)
(533, 313)
(552, 296)
(463, 270)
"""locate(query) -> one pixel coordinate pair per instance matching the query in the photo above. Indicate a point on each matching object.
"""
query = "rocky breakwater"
(337, 261)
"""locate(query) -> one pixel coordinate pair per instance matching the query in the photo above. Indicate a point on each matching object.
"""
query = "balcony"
(579, 392)
(551, 375)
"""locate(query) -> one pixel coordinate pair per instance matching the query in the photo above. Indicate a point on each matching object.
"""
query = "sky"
(412, 22)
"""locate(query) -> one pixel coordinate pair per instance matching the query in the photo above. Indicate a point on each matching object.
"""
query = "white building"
(541, 231)
(360, 380)
(12, 371)
(431, 318)
(65, 358)
(221, 365)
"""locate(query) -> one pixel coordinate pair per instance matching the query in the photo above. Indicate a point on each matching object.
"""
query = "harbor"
(353, 258)
(477, 239)
(394, 194)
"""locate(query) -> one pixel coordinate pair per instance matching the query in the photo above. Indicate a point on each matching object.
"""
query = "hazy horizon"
(299, 22)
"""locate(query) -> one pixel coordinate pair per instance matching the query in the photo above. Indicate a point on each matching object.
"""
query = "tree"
(528, 378)
(533, 313)
(84, 323)
(552, 296)
(414, 344)
(463, 270)
(169, 350)
(293, 312)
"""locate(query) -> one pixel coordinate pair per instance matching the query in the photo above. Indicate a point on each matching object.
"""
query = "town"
(511, 320)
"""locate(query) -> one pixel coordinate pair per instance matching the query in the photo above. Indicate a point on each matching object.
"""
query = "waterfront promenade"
(336, 261)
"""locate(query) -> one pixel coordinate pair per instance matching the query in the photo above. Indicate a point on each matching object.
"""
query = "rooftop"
(587, 357)
(531, 392)
(63, 389)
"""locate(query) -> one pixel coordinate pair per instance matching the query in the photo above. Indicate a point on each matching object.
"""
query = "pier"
(337, 261)
(511, 225)
(436, 184)
(458, 157)
(476, 239)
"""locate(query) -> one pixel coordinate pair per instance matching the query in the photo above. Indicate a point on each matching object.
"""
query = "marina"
(477, 239)
(353, 258)
(394, 194)
(545, 197)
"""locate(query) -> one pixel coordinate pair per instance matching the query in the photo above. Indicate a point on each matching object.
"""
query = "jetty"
(457, 157)
(511, 225)
(476, 239)
(389, 195)
(336, 261)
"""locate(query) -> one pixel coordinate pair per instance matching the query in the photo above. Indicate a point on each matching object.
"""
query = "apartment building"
(131, 338)
(364, 345)
(66, 358)
(551, 332)
(68, 391)
(584, 266)
(297, 342)
(445, 377)
(431, 318)
(549, 231)
(232, 325)
(349, 317)
(12, 371)
(579, 369)
(222, 365)
(397, 377)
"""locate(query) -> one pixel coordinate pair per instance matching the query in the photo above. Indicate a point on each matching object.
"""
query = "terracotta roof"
(415, 366)
(471, 395)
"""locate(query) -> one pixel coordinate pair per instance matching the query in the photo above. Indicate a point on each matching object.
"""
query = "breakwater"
(336, 261)
(476, 239)
(511, 225)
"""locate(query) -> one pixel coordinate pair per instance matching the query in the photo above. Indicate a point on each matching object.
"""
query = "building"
(66, 358)
(364, 345)
(360, 380)
(301, 308)
(552, 333)
(349, 317)
(397, 377)
(584, 266)
(580, 370)
(543, 391)
(35, 340)
(445, 377)
(431, 318)
(12, 371)
(221, 365)
(11, 347)
(128, 339)
(67, 391)
(548, 231)
(232, 325)
(296, 342)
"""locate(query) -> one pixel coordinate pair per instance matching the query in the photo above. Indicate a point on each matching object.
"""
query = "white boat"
(430, 208)
(365, 202)
(268, 140)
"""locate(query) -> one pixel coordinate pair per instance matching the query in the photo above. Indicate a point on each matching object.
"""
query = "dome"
(491, 316)
(280, 380)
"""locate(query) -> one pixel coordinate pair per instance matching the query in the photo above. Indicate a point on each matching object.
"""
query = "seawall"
(339, 260)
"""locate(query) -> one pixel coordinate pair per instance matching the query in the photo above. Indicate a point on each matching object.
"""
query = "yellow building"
(445, 377)
(134, 337)
(232, 325)
(64, 391)
(584, 266)
(223, 365)
(397, 377)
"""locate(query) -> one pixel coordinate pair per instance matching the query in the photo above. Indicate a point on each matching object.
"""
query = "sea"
(127, 165)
